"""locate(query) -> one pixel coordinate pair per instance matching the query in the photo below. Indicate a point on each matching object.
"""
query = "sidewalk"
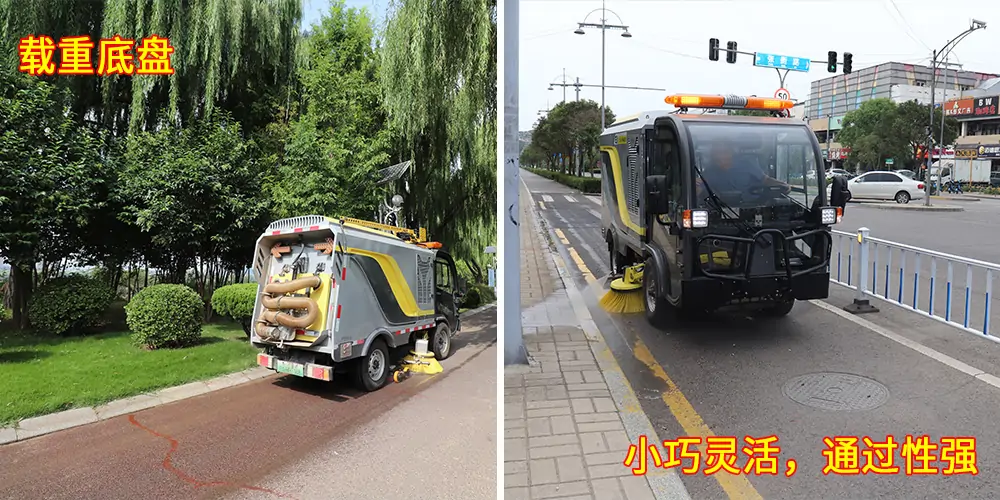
(564, 436)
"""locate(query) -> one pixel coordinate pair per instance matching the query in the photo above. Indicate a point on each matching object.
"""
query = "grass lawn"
(46, 375)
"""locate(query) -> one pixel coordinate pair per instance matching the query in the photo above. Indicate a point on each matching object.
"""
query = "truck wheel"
(373, 368)
(780, 309)
(441, 341)
(657, 308)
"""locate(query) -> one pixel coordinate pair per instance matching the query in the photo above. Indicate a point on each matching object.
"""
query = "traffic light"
(831, 61)
(713, 49)
(847, 62)
(731, 52)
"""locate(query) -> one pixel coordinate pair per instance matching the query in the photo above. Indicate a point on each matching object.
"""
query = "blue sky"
(312, 10)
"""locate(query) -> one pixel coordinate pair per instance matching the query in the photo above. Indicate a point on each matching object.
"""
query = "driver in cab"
(725, 172)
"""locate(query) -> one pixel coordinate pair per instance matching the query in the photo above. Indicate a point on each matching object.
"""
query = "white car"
(885, 185)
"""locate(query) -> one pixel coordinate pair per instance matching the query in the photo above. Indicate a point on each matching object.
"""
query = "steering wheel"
(773, 191)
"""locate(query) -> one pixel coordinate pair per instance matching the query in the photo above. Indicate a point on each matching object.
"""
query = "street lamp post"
(604, 26)
(943, 54)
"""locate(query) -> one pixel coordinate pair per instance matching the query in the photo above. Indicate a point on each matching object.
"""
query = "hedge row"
(589, 185)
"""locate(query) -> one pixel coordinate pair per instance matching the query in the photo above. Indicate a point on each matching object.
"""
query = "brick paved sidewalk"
(563, 434)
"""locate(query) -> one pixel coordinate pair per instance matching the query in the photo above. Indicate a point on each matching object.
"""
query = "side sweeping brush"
(625, 295)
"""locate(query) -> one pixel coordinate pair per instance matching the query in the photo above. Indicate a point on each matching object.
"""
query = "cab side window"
(666, 160)
(442, 277)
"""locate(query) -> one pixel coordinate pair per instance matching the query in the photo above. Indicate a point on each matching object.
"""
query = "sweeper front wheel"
(658, 310)
(441, 341)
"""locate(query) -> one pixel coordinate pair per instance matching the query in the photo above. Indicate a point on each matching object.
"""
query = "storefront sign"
(959, 108)
(967, 154)
(839, 154)
(836, 123)
(991, 151)
(985, 106)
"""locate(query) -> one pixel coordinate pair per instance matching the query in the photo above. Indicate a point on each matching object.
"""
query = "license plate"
(291, 368)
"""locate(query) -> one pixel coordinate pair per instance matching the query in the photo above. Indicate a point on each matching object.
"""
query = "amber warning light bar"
(728, 102)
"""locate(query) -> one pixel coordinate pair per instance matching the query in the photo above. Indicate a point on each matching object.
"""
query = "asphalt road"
(233, 441)
(729, 375)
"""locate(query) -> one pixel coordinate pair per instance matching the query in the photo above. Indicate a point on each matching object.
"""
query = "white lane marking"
(569, 198)
(595, 199)
(546, 198)
(916, 346)
(594, 213)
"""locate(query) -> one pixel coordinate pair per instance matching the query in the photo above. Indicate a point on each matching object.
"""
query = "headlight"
(695, 218)
(831, 215)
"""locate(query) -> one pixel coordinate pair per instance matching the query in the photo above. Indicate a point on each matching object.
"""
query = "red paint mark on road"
(169, 466)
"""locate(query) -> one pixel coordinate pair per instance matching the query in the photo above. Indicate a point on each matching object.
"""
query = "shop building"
(831, 98)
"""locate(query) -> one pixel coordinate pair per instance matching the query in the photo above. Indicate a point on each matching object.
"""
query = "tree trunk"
(22, 288)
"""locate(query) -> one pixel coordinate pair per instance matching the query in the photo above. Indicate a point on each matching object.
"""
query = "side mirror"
(657, 202)
(838, 191)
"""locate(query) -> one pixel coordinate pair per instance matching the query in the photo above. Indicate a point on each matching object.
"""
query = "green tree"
(749, 112)
(439, 80)
(236, 55)
(50, 171)
(197, 192)
(568, 126)
(339, 142)
(913, 121)
(873, 133)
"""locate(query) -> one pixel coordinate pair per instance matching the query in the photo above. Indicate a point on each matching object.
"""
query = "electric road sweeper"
(707, 211)
(339, 295)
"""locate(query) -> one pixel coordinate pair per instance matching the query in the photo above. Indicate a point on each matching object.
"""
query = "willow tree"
(439, 74)
(227, 54)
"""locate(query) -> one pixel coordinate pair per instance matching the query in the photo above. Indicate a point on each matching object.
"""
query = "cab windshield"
(754, 165)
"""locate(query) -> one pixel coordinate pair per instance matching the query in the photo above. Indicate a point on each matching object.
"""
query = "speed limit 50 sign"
(783, 94)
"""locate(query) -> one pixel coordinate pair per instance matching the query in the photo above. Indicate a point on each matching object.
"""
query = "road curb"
(921, 208)
(962, 198)
(665, 484)
(53, 422)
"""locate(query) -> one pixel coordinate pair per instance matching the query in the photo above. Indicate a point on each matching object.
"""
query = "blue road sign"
(778, 61)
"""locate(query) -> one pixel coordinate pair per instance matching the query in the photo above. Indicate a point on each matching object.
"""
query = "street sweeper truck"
(708, 211)
(338, 295)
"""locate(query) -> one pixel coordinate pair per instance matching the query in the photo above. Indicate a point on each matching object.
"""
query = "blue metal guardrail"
(908, 276)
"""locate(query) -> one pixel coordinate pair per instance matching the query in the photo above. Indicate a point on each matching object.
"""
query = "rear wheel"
(902, 197)
(372, 369)
(441, 341)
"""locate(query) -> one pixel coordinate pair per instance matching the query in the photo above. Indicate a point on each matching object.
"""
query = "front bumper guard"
(778, 237)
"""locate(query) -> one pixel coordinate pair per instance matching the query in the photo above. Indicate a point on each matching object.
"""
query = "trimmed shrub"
(588, 185)
(472, 298)
(236, 302)
(71, 304)
(165, 316)
(477, 295)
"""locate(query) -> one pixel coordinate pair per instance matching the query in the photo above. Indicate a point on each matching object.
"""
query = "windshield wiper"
(722, 206)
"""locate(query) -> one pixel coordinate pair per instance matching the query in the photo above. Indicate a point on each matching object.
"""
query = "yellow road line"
(587, 275)
(735, 486)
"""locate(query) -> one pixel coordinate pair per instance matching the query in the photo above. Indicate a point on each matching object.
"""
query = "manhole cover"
(836, 391)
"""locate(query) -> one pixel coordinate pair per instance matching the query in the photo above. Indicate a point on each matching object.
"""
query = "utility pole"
(577, 88)
(510, 213)
(564, 85)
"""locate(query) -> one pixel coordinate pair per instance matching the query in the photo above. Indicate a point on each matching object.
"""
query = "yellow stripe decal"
(616, 169)
(400, 289)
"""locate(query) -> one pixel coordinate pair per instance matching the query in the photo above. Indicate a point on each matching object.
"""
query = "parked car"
(907, 173)
(838, 171)
(995, 179)
(885, 185)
